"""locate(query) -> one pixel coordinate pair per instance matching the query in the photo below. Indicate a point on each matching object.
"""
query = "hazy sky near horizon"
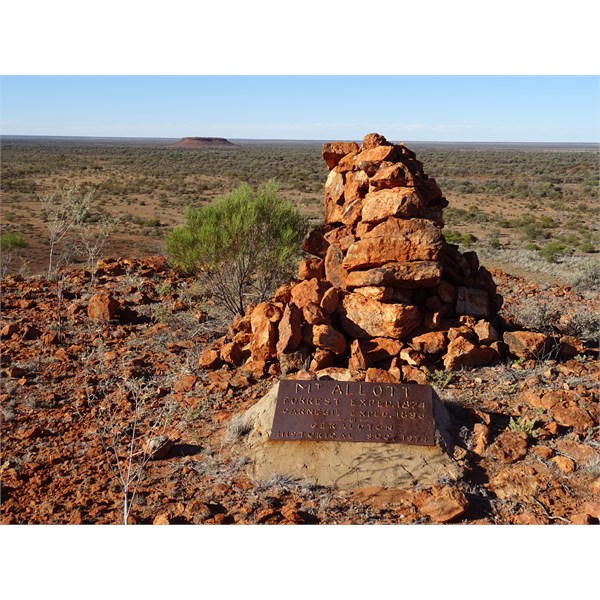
(414, 108)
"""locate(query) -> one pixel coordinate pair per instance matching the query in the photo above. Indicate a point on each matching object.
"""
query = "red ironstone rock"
(102, 307)
(463, 353)
(363, 318)
(333, 152)
(525, 344)
(395, 240)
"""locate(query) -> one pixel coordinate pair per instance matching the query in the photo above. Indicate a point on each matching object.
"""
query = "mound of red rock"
(202, 142)
(382, 288)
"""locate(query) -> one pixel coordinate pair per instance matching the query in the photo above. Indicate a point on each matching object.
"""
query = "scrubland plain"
(528, 209)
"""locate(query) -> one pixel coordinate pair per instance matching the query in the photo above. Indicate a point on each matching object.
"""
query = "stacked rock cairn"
(383, 295)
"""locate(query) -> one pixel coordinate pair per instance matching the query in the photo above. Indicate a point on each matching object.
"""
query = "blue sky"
(442, 108)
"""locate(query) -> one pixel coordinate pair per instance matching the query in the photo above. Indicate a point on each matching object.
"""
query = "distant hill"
(202, 142)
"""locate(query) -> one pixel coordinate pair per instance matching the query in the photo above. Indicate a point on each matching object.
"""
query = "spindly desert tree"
(242, 245)
(74, 228)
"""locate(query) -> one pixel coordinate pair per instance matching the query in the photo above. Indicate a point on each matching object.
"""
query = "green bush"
(242, 245)
(10, 240)
(587, 247)
(9, 244)
(494, 242)
(553, 250)
(153, 222)
(468, 239)
(547, 222)
(455, 237)
(452, 237)
(521, 424)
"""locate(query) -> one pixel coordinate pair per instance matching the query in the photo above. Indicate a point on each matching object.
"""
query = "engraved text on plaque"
(354, 411)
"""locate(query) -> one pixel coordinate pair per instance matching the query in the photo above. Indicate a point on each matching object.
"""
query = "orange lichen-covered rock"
(364, 318)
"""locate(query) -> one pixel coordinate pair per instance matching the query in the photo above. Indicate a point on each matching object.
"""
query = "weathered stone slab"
(526, 344)
(311, 267)
(395, 240)
(333, 266)
(347, 465)
(415, 274)
(378, 349)
(334, 197)
(463, 353)
(290, 329)
(385, 293)
(264, 320)
(352, 212)
(328, 338)
(309, 290)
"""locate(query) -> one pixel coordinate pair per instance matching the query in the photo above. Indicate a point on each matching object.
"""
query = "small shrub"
(523, 424)
(452, 237)
(587, 248)
(468, 239)
(547, 222)
(238, 428)
(9, 244)
(242, 245)
(10, 241)
(494, 239)
(159, 313)
(73, 228)
(553, 250)
(440, 378)
(587, 278)
(535, 315)
(163, 289)
(584, 324)
(465, 239)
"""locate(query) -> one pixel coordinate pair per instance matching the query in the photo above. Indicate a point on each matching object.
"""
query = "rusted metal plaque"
(340, 411)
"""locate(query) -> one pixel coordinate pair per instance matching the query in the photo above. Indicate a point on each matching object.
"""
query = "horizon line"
(303, 140)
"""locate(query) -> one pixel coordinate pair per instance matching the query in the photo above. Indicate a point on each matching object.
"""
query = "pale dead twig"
(548, 515)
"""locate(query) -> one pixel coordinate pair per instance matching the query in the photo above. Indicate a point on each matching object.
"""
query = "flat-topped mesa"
(382, 289)
(202, 142)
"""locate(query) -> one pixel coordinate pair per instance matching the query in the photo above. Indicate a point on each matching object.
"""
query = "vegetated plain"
(529, 209)
(81, 400)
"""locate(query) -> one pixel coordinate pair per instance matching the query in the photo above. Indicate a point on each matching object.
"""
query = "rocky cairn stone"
(381, 288)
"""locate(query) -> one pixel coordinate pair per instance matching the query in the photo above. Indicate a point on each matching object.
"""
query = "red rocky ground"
(82, 373)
